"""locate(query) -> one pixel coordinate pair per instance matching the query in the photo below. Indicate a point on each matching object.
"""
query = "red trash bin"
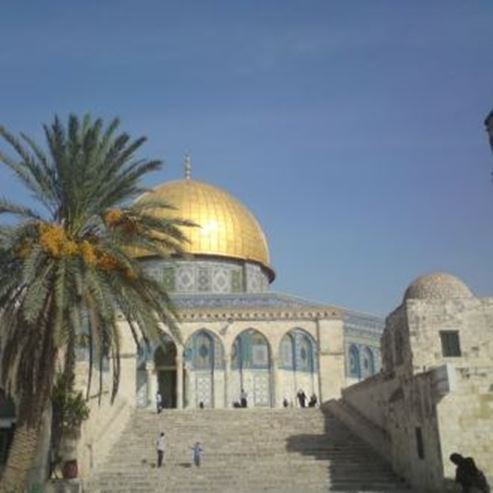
(70, 469)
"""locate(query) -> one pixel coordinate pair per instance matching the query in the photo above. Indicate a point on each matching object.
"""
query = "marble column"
(227, 380)
(179, 378)
(152, 384)
(276, 398)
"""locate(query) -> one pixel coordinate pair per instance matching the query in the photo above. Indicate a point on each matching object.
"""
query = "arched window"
(354, 364)
(304, 352)
(298, 351)
(287, 352)
(368, 362)
(204, 351)
(250, 351)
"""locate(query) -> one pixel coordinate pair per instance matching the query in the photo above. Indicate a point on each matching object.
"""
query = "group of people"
(300, 396)
(197, 451)
(243, 401)
(302, 400)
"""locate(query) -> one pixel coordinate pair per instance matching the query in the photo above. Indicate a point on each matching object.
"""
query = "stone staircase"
(245, 451)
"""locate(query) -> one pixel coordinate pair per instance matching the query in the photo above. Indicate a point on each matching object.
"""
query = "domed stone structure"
(437, 286)
(236, 332)
(238, 339)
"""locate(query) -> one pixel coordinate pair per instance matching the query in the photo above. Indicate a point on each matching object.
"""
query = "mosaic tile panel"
(236, 281)
(169, 278)
(261, 390)
(203, 391)
(204, 280)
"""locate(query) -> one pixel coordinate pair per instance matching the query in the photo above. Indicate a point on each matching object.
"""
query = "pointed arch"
(354, 361)
(368, 362)
(251, 368)
(204, 367)
(251, 350)
(298, 364)
(287, 352)
(204, 350)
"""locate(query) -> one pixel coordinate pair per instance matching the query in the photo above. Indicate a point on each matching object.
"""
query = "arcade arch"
(297, 364)
(204, 370)
(158, 370)
(368, 363)
(251, 368)
(354, 362)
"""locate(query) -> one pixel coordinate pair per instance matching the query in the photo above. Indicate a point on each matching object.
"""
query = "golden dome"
(226, 227)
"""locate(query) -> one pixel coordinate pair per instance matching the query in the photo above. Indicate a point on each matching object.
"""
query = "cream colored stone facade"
(323, 325)
(435, 394)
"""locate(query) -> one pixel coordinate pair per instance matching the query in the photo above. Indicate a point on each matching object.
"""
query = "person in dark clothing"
(243, 398)
(285, 402)
(313, 401)
(301, 398)
(160, 446)
(468, 475)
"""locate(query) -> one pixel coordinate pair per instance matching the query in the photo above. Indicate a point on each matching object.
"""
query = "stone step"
(252, 450)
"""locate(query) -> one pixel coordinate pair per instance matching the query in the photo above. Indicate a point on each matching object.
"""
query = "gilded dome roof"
(226, 227)
(437, 286)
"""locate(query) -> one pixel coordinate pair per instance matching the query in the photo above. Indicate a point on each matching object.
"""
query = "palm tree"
(71, 259)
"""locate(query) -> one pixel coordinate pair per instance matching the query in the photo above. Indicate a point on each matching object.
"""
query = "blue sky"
(352, 129)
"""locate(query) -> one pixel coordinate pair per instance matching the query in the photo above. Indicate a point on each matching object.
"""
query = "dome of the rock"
(226, 228)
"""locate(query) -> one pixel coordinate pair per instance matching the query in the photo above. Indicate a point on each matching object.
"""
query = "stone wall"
(465, 419)
(370, 397)
(428, 403)
(401, 410)
(101, 432)
(107, 419)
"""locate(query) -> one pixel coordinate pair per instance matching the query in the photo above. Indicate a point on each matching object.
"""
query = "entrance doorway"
(165, 365)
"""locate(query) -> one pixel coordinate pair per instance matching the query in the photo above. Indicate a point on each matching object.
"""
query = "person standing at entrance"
(243, 398)
(159, 402)
(160, 446)
(313, 401)
(301, 398)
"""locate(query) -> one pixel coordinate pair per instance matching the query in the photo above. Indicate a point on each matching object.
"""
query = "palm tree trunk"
(20, 460)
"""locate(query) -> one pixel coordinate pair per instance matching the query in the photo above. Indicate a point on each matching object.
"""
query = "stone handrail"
(372, 434)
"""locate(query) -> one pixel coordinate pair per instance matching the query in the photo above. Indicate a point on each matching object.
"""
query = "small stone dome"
(437, 286)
